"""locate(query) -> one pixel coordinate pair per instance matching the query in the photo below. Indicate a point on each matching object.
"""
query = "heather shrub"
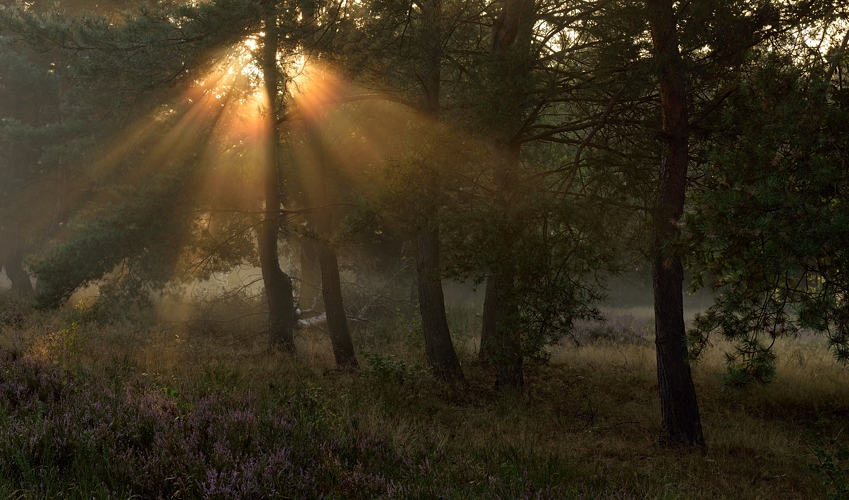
(13, 311)
(137, 439)
(111, 434)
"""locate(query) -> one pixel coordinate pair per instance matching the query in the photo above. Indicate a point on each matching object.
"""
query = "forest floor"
(203, 410)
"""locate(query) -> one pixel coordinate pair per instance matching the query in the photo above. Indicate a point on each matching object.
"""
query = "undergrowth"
(125, 410)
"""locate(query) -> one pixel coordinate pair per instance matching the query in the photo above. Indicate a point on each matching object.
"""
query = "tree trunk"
(500, 338)
(278, 285)
(438, 345)
(12, 259)
(679, 408)
(337, 323)
(489, 322)
(506, 344)
(310, 286)
(331, 287)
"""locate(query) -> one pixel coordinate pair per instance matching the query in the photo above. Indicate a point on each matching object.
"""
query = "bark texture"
(278, 285)
(489, 322)
(679, 409)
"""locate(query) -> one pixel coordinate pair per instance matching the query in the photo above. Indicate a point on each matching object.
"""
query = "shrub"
(59, 430)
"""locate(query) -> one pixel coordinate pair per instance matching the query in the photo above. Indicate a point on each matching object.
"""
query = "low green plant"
(832, 466)
(72, 338)
(389, 368)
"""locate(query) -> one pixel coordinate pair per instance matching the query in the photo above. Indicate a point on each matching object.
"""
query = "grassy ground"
(584, 427)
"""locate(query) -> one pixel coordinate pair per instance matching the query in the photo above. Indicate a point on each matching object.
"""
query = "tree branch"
(296, 114)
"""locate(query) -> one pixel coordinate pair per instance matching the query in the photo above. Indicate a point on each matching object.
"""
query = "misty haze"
(436, 249)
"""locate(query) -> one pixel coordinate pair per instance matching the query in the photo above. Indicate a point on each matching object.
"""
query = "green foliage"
(67, 84)
(154, 47)
(555, 247)
(72, 339)
(121, 235)
(769, 226)
(749, 365)
(832, 465)
(393, 370)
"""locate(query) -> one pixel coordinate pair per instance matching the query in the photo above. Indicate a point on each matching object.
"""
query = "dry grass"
(587, 420)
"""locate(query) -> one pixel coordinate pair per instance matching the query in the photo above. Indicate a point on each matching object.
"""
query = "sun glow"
(314, 88)
(210, 139)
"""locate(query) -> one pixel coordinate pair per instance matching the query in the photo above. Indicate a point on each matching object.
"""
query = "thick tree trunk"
(438, 345)
(21, 284)
(679, 408)
(278, 285)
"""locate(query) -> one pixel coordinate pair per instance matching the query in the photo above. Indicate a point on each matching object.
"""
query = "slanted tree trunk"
(278, 285)
(331, 287)
(337, 322)
(489, 322)
(679, 408)
(438, 345)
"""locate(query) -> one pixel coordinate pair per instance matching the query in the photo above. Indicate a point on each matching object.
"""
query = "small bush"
(391, 369)
(832, 466)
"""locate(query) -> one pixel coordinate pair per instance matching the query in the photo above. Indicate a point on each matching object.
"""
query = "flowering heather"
(73, 433)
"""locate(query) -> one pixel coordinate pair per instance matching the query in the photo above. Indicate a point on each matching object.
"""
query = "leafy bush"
(391, 369)
(832, 465)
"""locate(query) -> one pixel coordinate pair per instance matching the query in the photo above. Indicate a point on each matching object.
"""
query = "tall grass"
(203, 410)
